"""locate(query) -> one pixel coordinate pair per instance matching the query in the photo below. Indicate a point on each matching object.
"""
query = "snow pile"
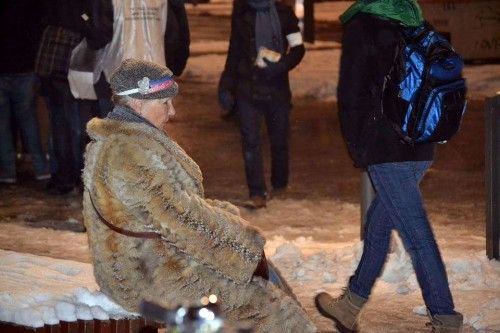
(37, 291)
(468, 272)
(473, 278)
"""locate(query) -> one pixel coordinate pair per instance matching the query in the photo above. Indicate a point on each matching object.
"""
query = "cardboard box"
(472, 26)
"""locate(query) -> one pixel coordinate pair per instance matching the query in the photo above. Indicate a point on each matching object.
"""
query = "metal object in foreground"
(367, 196)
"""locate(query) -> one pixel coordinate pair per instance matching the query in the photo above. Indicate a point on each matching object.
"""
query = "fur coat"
(140, 180)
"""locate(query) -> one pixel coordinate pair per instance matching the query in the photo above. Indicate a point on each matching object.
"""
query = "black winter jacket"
(240, 75)
(368, 50)
(98, 28)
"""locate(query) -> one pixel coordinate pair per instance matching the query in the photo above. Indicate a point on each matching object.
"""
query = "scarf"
(407, 12)
(267, 25)
(123, 113)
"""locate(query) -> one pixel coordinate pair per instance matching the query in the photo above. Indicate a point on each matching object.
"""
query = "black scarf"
(267, 25)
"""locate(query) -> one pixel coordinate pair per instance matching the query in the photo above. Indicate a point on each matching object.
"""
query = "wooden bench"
(136, 325)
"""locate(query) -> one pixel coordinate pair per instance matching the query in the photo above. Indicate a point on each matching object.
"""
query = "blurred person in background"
(265, 44)
(152, 30)
(66, 23)
(20, 32)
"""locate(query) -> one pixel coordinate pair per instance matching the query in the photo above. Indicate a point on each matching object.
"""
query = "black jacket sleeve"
(296, 53)
(234, 54)
(353, 100)
(177, 37)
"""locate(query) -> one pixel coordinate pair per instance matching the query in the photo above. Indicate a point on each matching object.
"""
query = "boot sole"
(340, 327)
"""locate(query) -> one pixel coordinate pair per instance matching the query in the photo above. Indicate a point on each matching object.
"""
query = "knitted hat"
(143, 80)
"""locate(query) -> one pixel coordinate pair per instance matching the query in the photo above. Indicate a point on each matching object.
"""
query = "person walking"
(372, 31)
(265, 44)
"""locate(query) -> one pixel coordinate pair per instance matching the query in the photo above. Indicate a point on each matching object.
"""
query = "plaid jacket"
(54, 52)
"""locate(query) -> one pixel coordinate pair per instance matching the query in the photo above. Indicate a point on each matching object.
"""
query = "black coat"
(368, 49)
(177, 38)
(67, 14)
(240, 75)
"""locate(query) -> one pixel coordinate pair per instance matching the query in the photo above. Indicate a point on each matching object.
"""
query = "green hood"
(407, 12)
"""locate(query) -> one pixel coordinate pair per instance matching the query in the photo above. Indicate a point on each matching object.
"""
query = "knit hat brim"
(138, 75)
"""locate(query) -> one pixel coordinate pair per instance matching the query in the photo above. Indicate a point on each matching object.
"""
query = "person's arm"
(177, 38)
(296, 49)
(225, 205)
(294, 39)
(229, 76)
(353, 100)
(149, 188)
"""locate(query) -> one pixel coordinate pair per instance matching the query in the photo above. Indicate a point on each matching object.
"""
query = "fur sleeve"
(151, 185)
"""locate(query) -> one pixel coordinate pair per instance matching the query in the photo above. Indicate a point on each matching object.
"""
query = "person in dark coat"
(372, 32)
(255, 82)
(66, 23)
(177, 37)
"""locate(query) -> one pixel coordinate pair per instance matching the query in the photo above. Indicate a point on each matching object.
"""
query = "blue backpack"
(426, 84)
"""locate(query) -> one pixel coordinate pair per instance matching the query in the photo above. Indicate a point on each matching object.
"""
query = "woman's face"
(158, 111)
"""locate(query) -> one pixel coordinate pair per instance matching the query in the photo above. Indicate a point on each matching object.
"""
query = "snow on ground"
(36, 289)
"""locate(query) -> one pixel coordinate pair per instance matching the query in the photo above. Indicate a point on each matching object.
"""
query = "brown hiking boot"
(447, 323)
(343, 310)
(255, 202)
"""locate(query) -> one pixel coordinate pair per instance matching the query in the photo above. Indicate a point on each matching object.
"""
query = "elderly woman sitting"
(153, 234)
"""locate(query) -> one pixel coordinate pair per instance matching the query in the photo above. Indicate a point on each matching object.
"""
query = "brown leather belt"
(261, 269)
(136, 234)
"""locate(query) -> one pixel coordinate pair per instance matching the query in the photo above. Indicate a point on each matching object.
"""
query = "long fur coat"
(140, 180)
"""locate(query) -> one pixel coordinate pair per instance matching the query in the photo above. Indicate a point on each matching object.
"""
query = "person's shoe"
(343, 310)
(255, 202)
(447, 323)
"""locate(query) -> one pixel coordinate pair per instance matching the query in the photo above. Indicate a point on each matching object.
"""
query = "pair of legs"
(398, 205)
(68, 118)
(276, 116)
(17, 104)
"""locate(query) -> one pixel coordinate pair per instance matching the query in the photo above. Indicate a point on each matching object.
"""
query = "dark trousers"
(68, 118)
(17, 105)
(276, 116)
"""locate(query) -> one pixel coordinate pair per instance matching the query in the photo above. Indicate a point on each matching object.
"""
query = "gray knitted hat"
(143, 80)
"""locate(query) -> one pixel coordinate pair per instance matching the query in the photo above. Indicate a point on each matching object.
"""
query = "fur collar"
(101, 129)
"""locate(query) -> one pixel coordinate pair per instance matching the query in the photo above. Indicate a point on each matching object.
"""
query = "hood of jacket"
(406, 12)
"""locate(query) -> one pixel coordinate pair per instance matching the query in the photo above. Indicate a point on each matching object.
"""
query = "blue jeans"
(17, 104)
(276, 116)
(398, 205)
